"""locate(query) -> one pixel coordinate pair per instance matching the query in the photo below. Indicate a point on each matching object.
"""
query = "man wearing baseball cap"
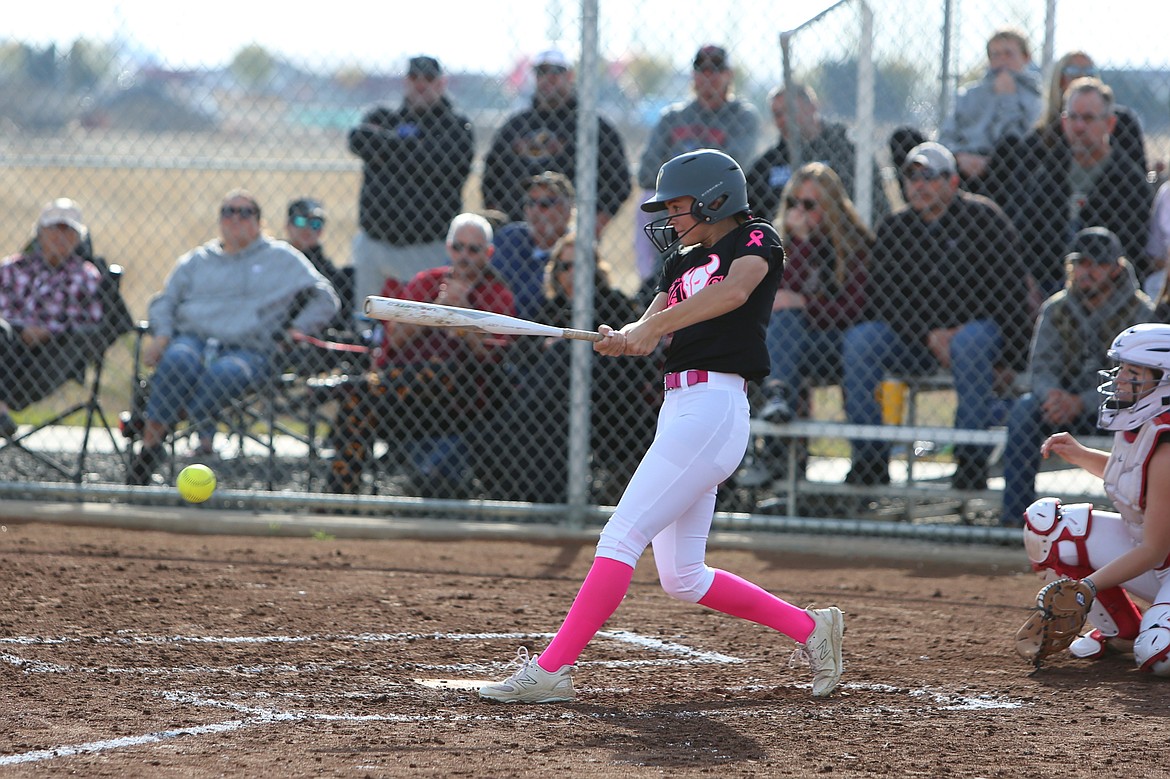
(305, 226)
(544, 137)
(947, 292)
(1073, 335)
(713, 119)
(416, 159)
(49, 296)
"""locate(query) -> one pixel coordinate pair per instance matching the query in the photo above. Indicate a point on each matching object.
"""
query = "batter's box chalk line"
(246, 716)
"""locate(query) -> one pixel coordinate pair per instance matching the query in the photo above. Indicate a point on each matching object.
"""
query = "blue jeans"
(873, 350)
(800, 352)
(188, 377)
(1021, 457)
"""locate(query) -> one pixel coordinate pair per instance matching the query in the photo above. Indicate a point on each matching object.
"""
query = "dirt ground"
(153, 654)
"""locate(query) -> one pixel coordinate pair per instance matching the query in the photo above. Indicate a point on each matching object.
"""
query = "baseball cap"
(551, 58)
(931, 156)
(62, 211)
(428, 67)
(715, 56)
(1097, 244)
(306, 206)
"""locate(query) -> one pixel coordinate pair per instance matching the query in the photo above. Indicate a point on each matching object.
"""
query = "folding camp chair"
(87, 356)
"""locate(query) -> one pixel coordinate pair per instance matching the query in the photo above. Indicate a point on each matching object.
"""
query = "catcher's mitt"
(1061, 609)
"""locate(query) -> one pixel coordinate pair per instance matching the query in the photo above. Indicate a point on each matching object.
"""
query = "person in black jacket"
(947, 290)
(544, 138)
(1051, 187)
(820, 141)
(416, 161)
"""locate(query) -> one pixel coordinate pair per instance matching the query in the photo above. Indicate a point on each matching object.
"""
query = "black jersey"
(735, 342)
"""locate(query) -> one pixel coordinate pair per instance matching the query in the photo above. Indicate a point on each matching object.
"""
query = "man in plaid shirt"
(48, 294)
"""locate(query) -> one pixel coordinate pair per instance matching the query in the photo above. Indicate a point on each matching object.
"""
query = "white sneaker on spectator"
(822, 650)
(531, 683)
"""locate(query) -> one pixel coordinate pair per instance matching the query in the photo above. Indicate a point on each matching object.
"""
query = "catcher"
(1094, 560)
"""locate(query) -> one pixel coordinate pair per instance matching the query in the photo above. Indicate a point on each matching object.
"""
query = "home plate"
(452, 684)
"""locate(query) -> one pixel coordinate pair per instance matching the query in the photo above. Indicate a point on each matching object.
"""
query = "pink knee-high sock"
(740, 598)
(600, 595)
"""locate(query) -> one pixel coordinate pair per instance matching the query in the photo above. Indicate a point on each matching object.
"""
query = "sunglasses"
(470, 248)
(1077, 71)
(549, 70)
(562, 265)
(311, 222)
(243, 212)
(808, 204)
(1086, 118)
(542, 202)
(922, 174)
(710, 67)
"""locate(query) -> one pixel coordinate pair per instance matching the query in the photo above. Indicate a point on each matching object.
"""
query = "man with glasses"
(432, 382)
(218, 322)
(714, 119)
(820, 141)
(522, 248)
(544, 137)
(1080, 180)
(416, 159)
(305, 226)
(946, 291)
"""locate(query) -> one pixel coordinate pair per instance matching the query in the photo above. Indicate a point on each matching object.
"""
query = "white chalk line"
(258, 716)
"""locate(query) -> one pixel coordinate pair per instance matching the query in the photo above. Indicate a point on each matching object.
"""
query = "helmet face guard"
(1127, 402)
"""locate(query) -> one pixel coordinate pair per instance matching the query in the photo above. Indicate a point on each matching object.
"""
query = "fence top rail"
(811, 428)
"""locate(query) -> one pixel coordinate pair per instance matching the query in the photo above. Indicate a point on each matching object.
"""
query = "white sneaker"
(1089, 646)
(531, 683)
(822, 650)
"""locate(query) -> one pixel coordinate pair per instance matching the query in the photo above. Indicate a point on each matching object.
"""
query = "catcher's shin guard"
(1151, 650)
(1054, 537)
(1056, 540)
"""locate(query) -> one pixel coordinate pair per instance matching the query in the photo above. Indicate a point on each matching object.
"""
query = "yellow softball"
(196, 483)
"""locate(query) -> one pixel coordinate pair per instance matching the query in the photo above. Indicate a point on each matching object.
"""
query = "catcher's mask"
(1127, 400)
(712, 178)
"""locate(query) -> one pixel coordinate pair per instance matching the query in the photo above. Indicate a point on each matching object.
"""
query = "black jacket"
(1030, 179)
(415, 167)
(772, 170)
(537, 140)
(962, 267)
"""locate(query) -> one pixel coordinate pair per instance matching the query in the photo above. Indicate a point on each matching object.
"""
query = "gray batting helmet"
(712, 178)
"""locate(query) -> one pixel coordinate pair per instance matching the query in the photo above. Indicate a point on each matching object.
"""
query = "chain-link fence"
(906, 313)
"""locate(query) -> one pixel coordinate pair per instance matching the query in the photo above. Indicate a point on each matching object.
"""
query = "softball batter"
(714, 299)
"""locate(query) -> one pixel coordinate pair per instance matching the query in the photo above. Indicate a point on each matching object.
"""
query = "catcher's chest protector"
(1126, 469)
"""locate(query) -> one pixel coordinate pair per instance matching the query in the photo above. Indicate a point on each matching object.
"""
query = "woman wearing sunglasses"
(822, 292)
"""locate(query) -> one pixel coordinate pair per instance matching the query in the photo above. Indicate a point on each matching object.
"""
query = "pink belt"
(684, 379)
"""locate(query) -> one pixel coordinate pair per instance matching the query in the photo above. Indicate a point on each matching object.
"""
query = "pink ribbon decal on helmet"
(756, 238)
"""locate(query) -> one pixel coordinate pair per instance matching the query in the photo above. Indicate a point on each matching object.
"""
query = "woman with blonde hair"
(822, 291)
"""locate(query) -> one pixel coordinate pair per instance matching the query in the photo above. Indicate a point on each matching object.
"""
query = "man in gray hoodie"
(1005, 102)
(1073, 333)
(218, 322)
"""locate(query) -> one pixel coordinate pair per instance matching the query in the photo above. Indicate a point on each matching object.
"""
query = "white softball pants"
(700, 440)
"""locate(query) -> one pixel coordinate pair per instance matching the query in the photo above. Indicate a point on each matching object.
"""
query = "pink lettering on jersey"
(756, 238)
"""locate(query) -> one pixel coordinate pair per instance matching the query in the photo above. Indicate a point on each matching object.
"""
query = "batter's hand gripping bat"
(434, 315)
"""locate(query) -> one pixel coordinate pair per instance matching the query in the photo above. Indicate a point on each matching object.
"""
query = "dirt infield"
(151, 654)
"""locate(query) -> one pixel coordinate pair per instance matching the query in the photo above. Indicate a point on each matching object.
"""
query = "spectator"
(415, 161)
(431, 382)
(1158, 243)
(305, 226)
(946, 291)
(1076, 326)
(1052, 191)
(522, 248)
(49, 301)
(713, 119)
(821, 294)
(543, 138)
(1127, 136)
(217, 324)
(820, 141)
(1005, 103)
(534, 424)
